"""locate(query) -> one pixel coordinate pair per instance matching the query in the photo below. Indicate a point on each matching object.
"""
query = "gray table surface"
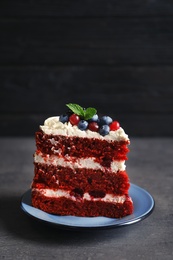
(150, 166)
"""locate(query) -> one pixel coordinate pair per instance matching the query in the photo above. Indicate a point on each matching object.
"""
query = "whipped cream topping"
(74, 163)
(63, 193)
(52, 126)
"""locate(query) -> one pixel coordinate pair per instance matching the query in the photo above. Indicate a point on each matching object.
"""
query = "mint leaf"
(76, 109)
(89, 113)
(83, 113)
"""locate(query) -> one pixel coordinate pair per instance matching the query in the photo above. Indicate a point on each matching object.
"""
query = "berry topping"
(63, 118)
(87, 118)
(93, 126)
(114, 126)
(94, 118)
(105, 120)
(82, 125)
(74, 119)
(104, 130)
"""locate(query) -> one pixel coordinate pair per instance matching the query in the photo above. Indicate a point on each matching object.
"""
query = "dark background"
(114, 55)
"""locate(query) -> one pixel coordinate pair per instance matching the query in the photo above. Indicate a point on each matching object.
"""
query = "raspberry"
(114, 126)
(93, 126)
(74, 119)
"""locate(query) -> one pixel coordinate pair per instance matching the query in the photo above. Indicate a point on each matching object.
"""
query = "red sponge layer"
(103, 150)
(96, 183)
(63, 206)
(81, 181)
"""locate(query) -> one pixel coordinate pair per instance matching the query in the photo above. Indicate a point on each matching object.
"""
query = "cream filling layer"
(52, 126)
(74, 163)
(63, 193)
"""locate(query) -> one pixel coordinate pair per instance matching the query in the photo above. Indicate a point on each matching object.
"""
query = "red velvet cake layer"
(64, 206)
(81, 181)
(78, 191)
(103, 150)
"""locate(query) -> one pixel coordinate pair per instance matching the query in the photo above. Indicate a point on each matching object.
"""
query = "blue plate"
(143, 206)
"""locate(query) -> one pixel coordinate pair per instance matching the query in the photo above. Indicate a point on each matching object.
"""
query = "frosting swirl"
(52, 126)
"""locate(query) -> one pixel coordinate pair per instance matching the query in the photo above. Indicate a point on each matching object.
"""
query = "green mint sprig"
(80, 111)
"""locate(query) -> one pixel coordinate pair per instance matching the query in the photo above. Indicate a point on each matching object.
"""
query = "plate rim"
(109, 226)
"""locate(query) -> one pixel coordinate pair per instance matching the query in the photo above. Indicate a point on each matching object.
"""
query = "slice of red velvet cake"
(80, 166)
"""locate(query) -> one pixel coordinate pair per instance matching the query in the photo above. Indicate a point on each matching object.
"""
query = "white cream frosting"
(53, 126)
(88, 163)
(63, 193)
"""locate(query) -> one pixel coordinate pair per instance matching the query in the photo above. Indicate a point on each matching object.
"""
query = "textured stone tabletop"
(150, 166)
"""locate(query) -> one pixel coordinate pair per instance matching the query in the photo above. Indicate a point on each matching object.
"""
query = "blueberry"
(63, 118)
(104, 130)
(105, 120)
(82, 125)
(94, 118)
